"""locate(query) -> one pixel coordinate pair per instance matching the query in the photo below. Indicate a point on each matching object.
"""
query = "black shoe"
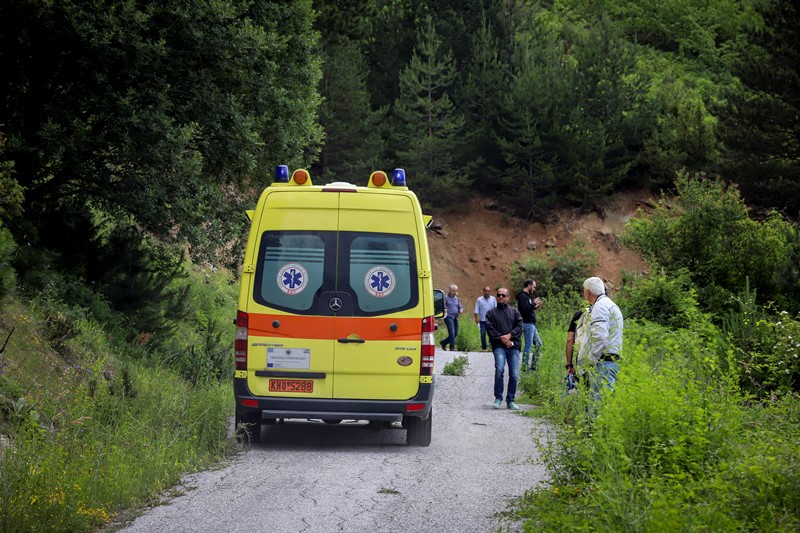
(443, 344)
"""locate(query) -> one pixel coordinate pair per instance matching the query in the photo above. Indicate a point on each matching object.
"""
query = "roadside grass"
(92, 427)
(676, 447)
(457, 367)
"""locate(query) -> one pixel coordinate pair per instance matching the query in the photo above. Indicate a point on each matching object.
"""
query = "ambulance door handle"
(346, 340)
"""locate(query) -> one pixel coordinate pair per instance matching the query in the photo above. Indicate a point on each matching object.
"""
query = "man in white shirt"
(599, 336)
(482, 306)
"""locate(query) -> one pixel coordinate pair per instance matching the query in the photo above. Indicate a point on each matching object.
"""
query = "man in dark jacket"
(528, 305)
(504, 325)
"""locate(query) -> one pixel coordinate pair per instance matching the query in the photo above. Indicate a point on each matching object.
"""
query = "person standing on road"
(482, 306)
(453, 307)
(504, 324)
(599, 337)
(527, 307)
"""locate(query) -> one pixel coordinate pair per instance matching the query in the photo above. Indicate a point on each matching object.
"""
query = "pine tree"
(529, 128)
(353, 142)
(487, 81)
(760, 118)
(610, 116)
(429, 129)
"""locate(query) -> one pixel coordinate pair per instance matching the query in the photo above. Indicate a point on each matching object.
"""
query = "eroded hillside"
(476, 245)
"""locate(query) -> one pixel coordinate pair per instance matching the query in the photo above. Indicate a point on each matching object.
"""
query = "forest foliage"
(169, 117)
(134, 134)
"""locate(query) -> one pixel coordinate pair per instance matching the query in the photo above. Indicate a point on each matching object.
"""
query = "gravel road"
(313, 477)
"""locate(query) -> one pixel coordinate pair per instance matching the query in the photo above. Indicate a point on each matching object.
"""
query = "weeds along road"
(313, 477)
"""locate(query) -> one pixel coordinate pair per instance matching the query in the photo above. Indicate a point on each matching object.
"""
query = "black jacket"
(526, 307)
(501, 320)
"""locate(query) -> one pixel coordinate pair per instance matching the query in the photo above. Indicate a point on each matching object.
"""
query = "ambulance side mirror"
(438, 303)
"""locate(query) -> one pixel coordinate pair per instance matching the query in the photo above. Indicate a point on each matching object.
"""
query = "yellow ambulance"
(337, 309)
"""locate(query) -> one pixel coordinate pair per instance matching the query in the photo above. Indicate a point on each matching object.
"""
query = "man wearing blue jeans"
(504, 324)
(482, 306)
(599, 338)
(528, 305)
(453, 308)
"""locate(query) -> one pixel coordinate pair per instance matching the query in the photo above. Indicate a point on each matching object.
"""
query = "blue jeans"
(452, 332)
(533, 343)
(482, 326)
(503, 356)
(604, 375)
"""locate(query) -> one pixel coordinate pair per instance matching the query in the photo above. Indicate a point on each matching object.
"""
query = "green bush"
(560, 272)
(763, 347)
(201, 347)
(196, 338)
(8, 276)
(456, 367)
(557, 310)
(707, 232)
(674, 448)
(668, 299)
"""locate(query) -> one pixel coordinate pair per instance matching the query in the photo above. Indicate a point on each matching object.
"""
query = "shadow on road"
(315, 435)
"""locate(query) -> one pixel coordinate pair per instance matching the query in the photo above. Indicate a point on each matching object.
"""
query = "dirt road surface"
(312, 477)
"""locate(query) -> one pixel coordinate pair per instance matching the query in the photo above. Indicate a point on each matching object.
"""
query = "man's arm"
(570, 346)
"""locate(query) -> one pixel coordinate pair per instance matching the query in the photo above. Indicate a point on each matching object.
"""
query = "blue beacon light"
(399, 178)
(281, 174)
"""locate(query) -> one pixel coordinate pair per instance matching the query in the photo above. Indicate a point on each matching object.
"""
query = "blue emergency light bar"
(281, 174)
(399, 178)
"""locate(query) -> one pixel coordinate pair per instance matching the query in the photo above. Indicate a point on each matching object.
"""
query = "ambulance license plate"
(291, 385)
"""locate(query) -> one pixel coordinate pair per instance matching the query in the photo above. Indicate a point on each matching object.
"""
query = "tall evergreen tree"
(353, 144)
(391, 45)
(760, 121)
(428, 137)
(486, 82)
(609, 117)
(683, 136)
(532, 111)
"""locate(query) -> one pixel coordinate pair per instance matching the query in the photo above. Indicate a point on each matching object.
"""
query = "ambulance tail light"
(240, 342)
(428, 346)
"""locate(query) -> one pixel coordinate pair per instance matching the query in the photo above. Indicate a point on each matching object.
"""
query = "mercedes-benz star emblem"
(335, 304)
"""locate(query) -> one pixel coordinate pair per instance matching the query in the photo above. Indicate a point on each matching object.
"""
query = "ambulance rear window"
(380, 271)
(291, 269)
(336, 273)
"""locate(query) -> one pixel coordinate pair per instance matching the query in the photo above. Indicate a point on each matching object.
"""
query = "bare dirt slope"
(475, 246)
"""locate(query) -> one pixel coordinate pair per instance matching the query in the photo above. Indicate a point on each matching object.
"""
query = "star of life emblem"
(379, 281)
(292, 278)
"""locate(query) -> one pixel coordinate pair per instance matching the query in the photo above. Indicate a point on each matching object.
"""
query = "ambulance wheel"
(251, 426)
(419, 431)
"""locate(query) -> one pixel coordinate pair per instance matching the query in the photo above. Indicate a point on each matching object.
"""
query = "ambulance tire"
(252, 426)
(419, 431)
